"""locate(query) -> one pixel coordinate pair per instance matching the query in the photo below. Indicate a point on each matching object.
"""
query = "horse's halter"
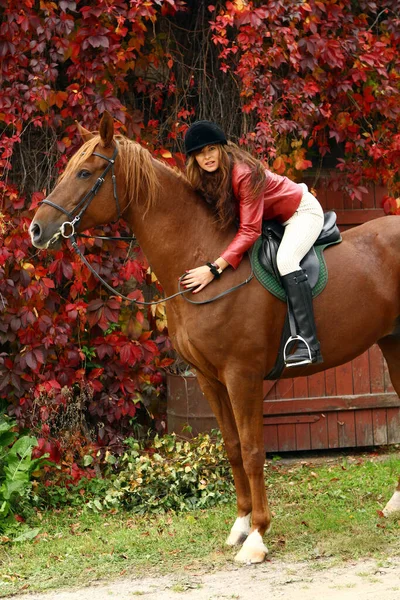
(83, 204)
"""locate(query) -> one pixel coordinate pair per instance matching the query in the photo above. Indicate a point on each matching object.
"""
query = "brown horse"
(232, 342)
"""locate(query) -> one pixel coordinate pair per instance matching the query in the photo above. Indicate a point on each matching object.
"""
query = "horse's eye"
(83, 174)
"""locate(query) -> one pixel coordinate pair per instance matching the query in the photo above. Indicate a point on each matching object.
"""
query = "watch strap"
(215, 269)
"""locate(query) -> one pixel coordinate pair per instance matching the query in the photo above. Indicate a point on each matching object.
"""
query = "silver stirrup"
(305, 361)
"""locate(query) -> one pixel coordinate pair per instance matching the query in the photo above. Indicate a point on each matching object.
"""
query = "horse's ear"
(106, 129)
(85, 134)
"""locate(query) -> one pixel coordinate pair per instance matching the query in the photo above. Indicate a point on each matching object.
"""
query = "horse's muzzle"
(42, 237)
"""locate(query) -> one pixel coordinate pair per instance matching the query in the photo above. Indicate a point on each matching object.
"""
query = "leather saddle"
(272, 233)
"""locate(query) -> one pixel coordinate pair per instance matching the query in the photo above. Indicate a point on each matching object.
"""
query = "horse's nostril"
(36, 231)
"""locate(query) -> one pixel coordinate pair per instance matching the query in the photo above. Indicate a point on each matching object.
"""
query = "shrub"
(172, 474)
(16, 469)
(166, 474)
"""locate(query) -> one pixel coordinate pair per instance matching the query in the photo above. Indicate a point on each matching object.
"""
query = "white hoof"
(239, 531)
(253, 550)
(393, 506)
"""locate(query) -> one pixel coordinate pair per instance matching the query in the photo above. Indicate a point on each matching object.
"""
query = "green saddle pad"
(273, 285)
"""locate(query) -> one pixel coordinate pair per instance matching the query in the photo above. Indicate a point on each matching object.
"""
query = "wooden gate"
(353, 405)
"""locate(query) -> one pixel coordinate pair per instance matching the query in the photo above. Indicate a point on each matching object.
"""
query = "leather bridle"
(84, 204)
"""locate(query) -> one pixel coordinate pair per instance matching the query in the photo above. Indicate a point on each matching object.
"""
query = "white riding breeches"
(301, 231)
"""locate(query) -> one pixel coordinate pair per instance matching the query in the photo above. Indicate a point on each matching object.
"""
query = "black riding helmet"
(201, 134)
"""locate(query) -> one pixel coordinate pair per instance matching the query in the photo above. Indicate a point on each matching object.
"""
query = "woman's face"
(208, 158)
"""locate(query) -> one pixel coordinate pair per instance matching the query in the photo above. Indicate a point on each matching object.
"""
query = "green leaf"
(10, 488)
(30, 534)
(4, 508)
(98, 504)
(19, 459)
(87, 460)
(6, 424)
(6, 438)
(23, 446)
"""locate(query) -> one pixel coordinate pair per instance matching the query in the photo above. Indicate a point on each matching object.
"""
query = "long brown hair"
(217, 187)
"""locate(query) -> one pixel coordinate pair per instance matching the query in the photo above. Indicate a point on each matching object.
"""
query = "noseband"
(83, 205)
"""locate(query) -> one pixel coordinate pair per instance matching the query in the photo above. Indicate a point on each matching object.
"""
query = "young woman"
(240, 188)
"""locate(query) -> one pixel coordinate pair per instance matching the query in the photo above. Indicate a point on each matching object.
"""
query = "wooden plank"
(346, 429)
(348, 203)
(344, 379)
(330, 382)
(361, 375)
(319, 433)
(336, 199)
(330, 403)
(316, 385)
(393, 425)
(300, 387)
(269, 389)
(333, 199)
(287, 437)
(321, 192)
(358, 216)
(364, 428)
(388, 383)
(376, 370)
(368, 200)
(379, 192)
(334, 430)
(379, 423)
(290, 419)
(333, 434)
(303, 436)
(271, 438)
(284, 388)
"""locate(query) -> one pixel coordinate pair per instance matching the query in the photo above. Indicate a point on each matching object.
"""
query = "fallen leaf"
(305, 523)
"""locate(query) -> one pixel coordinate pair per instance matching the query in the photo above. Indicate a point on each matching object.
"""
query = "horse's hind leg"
(390, 347)
(218, 398)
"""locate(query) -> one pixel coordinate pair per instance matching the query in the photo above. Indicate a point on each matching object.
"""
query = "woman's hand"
(197, 278)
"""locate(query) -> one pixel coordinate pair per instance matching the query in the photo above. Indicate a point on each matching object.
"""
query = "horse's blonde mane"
(136, 164)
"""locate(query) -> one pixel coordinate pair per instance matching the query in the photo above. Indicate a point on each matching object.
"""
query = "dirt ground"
(273, 580)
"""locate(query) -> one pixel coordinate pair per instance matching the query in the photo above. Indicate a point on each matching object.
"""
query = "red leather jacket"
(279, 200)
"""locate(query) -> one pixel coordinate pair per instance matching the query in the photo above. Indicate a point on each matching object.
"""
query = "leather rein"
(68, 231)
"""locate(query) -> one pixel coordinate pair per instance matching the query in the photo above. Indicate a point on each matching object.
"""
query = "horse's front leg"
(393, 506)
(245, 392)
(218, 398)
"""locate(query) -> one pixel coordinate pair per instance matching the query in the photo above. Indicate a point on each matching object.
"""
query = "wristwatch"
(215, 269)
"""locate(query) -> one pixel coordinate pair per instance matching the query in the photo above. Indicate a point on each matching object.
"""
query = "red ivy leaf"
(49, 283)
(30, 360)
(130, 353)
(102, 313)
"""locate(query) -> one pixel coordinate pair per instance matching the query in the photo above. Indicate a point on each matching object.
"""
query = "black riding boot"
(300, 303)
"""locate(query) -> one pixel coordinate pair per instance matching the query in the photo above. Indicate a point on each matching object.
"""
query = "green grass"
(319, 512)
